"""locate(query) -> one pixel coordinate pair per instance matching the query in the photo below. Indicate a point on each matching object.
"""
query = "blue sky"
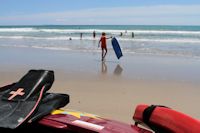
(167, 12)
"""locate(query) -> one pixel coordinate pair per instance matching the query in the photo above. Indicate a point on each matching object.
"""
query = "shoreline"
(130, 66)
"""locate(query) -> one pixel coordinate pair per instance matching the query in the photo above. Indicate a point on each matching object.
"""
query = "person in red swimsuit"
(103, 45)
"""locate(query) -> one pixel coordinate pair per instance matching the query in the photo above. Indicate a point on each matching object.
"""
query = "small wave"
(47, 38)
(18, 30)
(166, 32)
(12, 37)
(52, 48)
(164, 40)
(161, 53)
(57, 30)
(114, 32)
(175, 40)
(38, 47)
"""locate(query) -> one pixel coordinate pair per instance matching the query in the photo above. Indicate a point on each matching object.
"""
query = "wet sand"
(111, 89)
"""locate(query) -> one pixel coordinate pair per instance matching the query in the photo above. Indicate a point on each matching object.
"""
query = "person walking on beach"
(103, 45)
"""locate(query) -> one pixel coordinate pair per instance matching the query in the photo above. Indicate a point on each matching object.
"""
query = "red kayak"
(26, 106)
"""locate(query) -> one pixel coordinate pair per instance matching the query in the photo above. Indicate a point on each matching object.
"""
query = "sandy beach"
(111, 89)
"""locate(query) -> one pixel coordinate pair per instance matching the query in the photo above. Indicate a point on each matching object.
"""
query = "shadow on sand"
(117, 71)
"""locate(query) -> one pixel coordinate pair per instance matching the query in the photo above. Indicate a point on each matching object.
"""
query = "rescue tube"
(164, 119)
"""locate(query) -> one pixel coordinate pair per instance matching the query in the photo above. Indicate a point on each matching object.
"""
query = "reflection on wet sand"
(118, 70)
(103, 67)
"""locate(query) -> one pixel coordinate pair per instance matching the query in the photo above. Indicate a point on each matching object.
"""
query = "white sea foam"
(52, 48)
(132, 40)
(12, 37)
(165, 32)
(18, 30)
(48, 38)
(164, 40)
(99, 31)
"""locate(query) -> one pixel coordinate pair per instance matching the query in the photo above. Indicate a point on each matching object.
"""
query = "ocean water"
(154, 40)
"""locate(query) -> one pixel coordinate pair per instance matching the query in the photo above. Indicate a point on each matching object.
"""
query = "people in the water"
(103, 45)
(81, 35)
(94, 34)
(132, 35)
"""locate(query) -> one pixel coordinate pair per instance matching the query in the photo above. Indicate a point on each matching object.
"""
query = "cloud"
(170, 14)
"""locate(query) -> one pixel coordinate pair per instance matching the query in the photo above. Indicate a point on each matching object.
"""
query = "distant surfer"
(121, 34)
(94, 34)
(103, 45)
